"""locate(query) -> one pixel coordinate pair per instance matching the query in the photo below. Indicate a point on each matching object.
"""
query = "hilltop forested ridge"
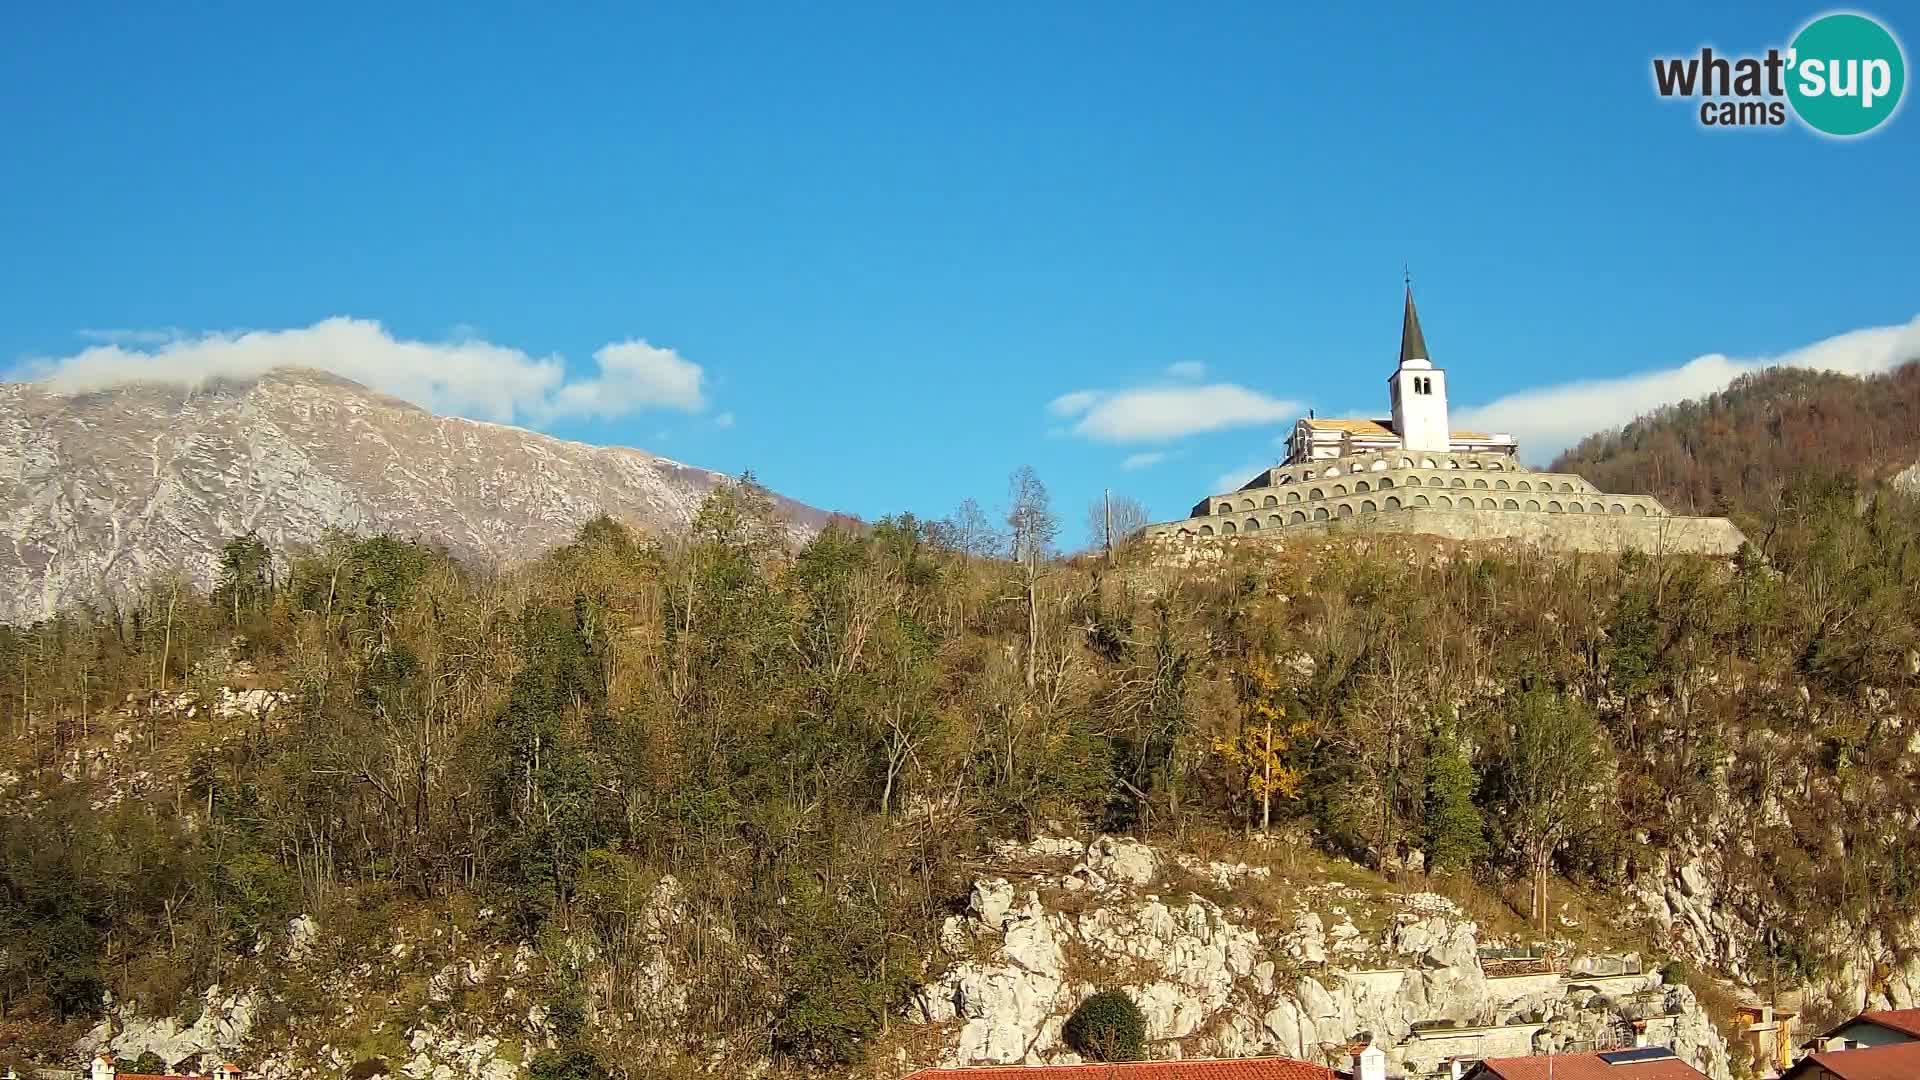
(808, 749)
(1733, 451)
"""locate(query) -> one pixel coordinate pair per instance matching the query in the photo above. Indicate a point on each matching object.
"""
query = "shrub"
(571, 1063)
(567, 1010)
(1108, 1027)
(845, 973)
(1456, 835)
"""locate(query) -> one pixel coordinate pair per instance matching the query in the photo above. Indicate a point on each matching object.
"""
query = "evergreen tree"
(245, 578)
(1456, 835)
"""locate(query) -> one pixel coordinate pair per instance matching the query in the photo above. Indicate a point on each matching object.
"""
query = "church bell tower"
(1419, 390)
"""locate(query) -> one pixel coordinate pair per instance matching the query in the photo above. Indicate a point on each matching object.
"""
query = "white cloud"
(634, 374)
(1187, 369)
(465, 376)
(1549, 419)
(1158, 414)
(1073, 404)
(1143, 461)
(723, 421)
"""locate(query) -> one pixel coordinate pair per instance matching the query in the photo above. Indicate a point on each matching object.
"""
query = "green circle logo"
(1845, 74)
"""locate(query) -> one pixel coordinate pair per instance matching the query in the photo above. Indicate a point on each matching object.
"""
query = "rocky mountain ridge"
(102, 491)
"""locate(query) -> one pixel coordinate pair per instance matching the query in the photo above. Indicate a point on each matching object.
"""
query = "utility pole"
(1107, 497)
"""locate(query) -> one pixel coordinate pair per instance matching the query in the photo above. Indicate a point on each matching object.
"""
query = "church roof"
(1352, 427)
(1381, 429)
(1413, 344)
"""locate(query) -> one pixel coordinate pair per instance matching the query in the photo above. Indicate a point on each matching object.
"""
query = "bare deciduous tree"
(1031, 531)
(968, 531)
(1556, 779)
(1112, 520)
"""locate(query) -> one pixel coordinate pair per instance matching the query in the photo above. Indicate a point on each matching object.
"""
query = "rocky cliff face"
(101, 491)
(1225, 959)
(1057, 921)
(1705, 922)
(1212, 983)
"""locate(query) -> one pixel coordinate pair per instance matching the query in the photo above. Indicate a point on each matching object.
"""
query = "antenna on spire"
(1406, 272)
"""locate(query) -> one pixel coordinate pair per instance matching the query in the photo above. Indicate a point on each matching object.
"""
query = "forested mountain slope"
(1734, 450)
(712, 803)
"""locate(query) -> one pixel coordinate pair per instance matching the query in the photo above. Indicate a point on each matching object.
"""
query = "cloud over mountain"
(463, 376)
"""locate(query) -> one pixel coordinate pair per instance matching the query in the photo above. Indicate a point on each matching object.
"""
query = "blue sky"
(860, 249)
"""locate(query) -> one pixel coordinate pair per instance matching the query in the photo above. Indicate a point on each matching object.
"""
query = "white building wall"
(1419, 392)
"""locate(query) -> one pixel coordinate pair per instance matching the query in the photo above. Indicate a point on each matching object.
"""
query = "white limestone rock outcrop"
(1908, 479)
(1219, 982)
(447, 1055)
(225, 1022)
(1685, 895)
(1117, 862)
(302, 933)
(1007, 1008)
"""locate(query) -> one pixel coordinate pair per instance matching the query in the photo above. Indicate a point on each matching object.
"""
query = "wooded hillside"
(1732, 452)
(814, 744)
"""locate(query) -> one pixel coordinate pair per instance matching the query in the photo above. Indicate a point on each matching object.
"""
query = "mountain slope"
(101, 491)
(1728, 452)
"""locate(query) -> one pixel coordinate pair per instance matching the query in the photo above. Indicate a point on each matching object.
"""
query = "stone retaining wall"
(1569, 532)
(1506, 989)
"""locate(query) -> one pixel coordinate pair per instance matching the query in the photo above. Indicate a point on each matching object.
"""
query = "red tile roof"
(1222, 1069)
(1585, 1067)
(1896, 1061)
(1904, 1021)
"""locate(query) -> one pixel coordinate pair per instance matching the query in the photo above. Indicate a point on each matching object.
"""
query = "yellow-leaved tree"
(1259, 750)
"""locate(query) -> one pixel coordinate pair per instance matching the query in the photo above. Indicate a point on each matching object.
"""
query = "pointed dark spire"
(1413, 344)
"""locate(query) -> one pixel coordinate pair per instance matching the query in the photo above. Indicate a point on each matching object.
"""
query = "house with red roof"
(1268, 1068)
(1639, 1063)
(1878, 1027)
(1888, 1061)
(104, 1068)
(1880, 1044)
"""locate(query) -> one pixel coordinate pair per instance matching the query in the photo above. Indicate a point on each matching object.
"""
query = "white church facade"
(1418, 393)
(1410, 472)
